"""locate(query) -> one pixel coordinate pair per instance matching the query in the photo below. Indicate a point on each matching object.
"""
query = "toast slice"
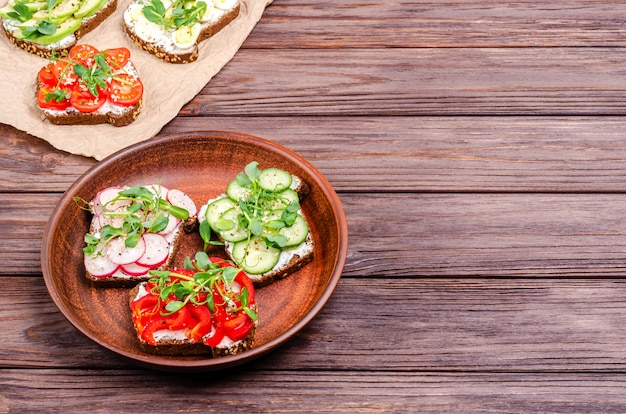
(109, 261)
(47, 46)
(177, 45)
(263, 263)
(198, 326)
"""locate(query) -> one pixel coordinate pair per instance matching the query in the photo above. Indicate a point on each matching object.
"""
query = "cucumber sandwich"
(260, 221)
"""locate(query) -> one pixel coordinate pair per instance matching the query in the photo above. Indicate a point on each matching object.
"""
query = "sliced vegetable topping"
(208, 299)
(133, 228)
(260, 215)
(88, 78)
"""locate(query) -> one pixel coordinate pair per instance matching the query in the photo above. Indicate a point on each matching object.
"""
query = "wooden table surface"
(479, 151)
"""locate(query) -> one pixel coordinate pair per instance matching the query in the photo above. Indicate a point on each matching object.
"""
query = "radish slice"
(171, 225)
(157, 251)
(99, 265)
(119, 253)
(179, 199)
(133, 269)
(103, 200)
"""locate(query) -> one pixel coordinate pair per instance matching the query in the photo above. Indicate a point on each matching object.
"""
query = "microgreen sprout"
(135, 210)
(209, 280)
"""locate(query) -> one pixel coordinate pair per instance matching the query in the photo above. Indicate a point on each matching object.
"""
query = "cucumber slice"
(255, 257)
(285, 198)
(215, 210)
(297, 233)
(235, 234)
(237, 192)
(274, 179)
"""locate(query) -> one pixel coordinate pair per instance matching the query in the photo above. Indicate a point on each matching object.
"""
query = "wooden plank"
(498, 235)
(319, 392)
(404, 154)
(478, 23)
(433, 154)
(458, 81)
(385, 325)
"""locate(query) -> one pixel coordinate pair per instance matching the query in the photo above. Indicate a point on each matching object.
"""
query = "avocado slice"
(89, 7)
(64, 9)
(64, 29)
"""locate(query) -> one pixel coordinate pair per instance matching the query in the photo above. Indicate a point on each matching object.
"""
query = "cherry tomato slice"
(64, 71)
(125, 90)
(46, 77)
(83, 54)
(117, 58)
(46, 102)
(85, 102)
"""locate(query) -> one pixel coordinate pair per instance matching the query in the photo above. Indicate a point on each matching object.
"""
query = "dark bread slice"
(46, 51)
(187, 226)
(117, 116)
(187, 55)
(186, 347)
(73, 117)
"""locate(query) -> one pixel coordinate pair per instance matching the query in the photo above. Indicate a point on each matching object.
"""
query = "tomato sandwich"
(87, 86)
(207, 307)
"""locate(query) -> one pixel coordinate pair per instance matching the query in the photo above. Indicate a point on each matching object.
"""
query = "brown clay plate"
(201, 164)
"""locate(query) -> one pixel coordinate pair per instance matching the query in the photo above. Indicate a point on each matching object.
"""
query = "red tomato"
(117, 57)
(46, 77)
(83, 53)
(64, 71)
(125, 90)
(45, 102)
(85, 102)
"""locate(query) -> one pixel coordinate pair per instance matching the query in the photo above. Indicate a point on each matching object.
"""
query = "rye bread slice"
(183, 347)
(46, 51)
(171, 54)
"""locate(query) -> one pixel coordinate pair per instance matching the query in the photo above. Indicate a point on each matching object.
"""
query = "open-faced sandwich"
(87, 86)
(172, 29)
(260, 221)
(207, 307)
(43, 27)
(134, 230)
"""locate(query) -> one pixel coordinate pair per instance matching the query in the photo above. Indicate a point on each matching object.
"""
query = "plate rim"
(207, 363)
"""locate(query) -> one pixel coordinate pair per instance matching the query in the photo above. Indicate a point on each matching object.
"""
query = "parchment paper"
(167, 87)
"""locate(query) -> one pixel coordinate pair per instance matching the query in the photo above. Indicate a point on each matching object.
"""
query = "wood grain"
(439, 24)
(417, 82)
(404, 154)
(320, 392)
(439, 325)
(436, 235)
